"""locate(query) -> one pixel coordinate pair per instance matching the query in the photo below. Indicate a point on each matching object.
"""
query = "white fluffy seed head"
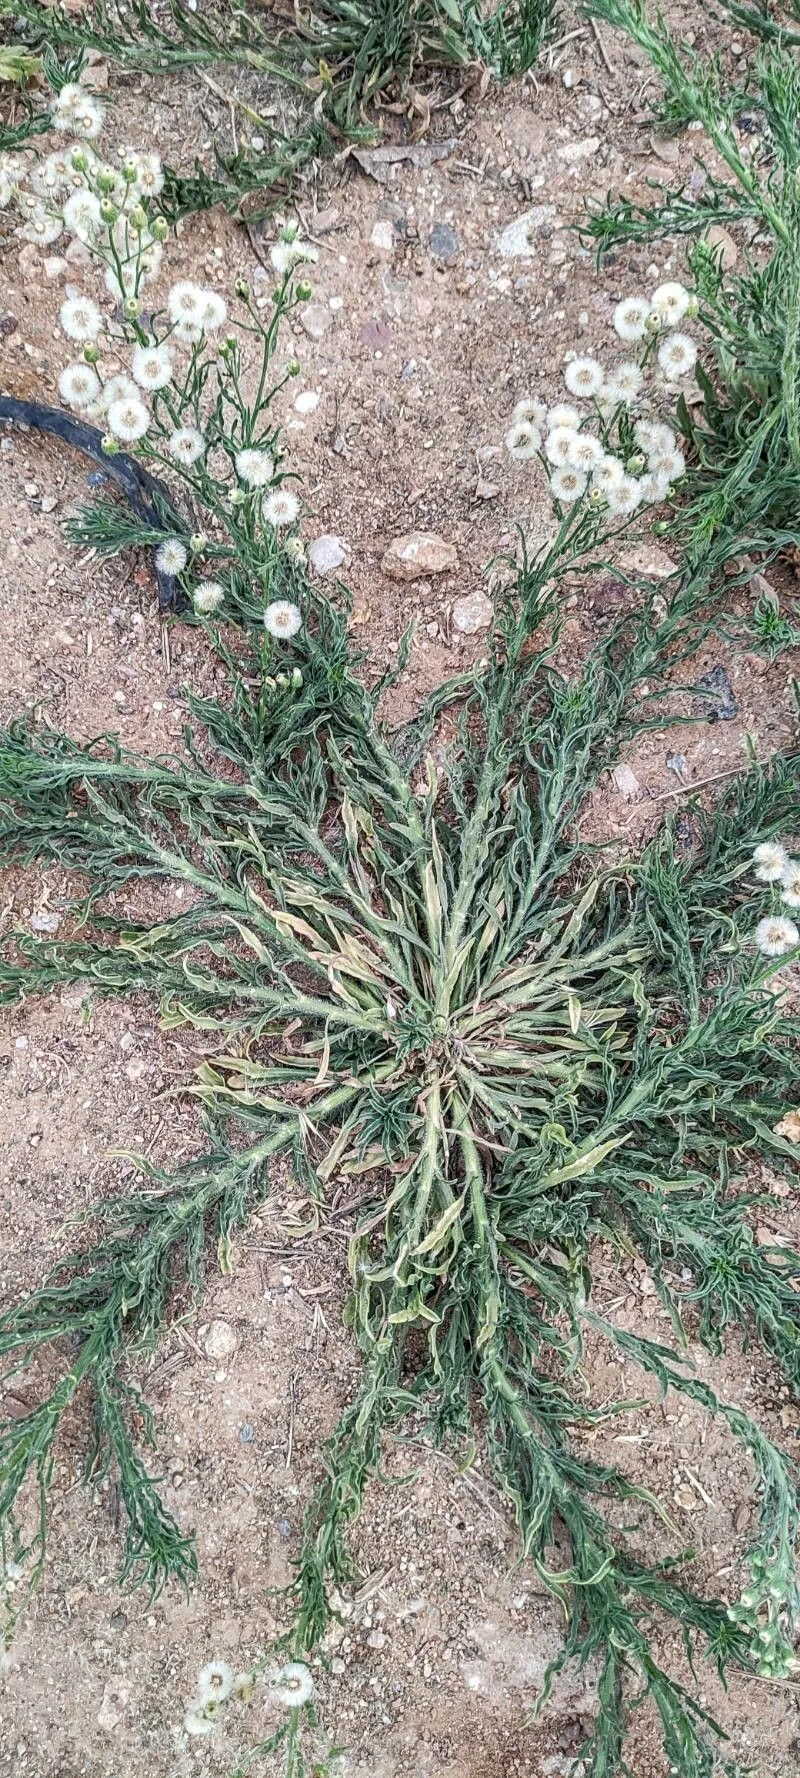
(557, 444)
(254, 468)
(776, 935)
(185, 302)
(208, 595)
(623, 382)
(523, 441)
(630, 318)
(667, 465)
(669, 304)
(653, 489)
(82, 216)
(213, 311)
(148, 179)
(608, 474)
(676, 356)
(186, 445)
(282, 619)
(80, 318)
(151, 366)
(172, 556)
(215, 1681)
(585, 452)
(79, 385)
(770, 860)
(790, 876)
(563, 415)
(584, 377)
(530, 412)
(624, 497)
(281, 508)
(41, 226)
(128, 419)
(117, 389)
(567, 485)
(292, 1685)
(654, 437)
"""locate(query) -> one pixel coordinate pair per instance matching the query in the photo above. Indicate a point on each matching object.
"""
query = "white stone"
(515, 241)
(219, 1340)
(626, 782)
(383, 236)
(473, 613)
(326, 553)
(418, 554)
(307, 401)
(579, 151)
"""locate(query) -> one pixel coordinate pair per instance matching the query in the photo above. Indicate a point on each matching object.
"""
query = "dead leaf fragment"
(789, 1126)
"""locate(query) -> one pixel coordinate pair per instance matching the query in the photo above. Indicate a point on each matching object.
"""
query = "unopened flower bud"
(130, 307)
(138, 218)
(109, 444)
(242, 289)
(197, 542)
(636, 463)
(129, 171)
(281, 681)
(297, 679)
(290, 231)
(160, 228)
(109, 212)
(303, 293)
(293, 368)
(78, 160)
(106, 180)
(91, 354)
(692, 308)
(238, 497)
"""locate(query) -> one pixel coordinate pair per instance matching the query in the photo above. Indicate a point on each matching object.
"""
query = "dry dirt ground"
(419, 358)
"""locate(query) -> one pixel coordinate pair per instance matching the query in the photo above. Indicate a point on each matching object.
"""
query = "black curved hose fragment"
(148, 497)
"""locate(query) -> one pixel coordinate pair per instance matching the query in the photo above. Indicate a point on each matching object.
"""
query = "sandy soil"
(420, 358)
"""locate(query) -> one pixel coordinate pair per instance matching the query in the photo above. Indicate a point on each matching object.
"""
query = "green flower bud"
(130, 307)
(303, 292)
(78, 160)
(297, 679)
(109, 212)
(238, 497)
(281, 681)
(693, 308)
(160, 228)
(91, 354)
(129, 172)
(106, 180)
(270, 684)
(293, 367)
(138, 218)
(242, 289)
(197, 542)
(290, 231)
(110, 445)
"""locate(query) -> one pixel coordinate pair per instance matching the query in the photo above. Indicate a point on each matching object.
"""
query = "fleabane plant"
(170, 376)
(616, 448)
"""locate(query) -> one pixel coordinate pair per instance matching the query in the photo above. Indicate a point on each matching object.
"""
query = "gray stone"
(418, 554)
(55, 267)
(444, 243)
(473, 613)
